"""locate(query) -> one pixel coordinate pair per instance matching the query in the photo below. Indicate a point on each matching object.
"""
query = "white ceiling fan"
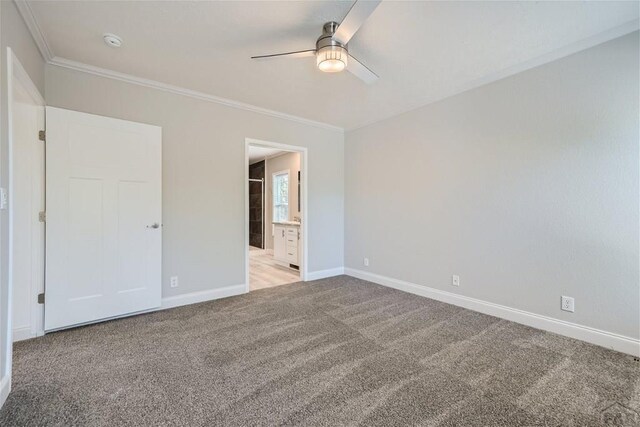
(331, 52)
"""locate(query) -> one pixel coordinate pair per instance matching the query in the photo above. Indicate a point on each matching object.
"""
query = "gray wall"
(14, 34)
(203, 175)
(528, 188)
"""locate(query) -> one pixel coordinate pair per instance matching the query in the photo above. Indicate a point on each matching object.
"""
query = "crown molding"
(47, 53)
(127, 78)
(50, 58)
(38, 36)
(575, 47)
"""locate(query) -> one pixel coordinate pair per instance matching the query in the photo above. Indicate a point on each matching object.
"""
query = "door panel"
(132, 200)
(103, 193)
(279, 244)
(85, 239)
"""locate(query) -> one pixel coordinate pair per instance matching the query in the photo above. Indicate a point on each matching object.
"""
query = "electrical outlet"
(568, 304)
(455, 280)
(366, 262)
(174, 281)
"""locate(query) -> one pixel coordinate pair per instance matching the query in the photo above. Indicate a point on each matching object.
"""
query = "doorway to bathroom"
(275, 197)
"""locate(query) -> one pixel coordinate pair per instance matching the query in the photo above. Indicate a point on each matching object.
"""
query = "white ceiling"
(261, 153)
(422, 51)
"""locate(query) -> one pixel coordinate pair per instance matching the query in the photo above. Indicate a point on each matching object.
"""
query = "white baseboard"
(5, 388)
(167, 302)
(323, 274)
(585, 333)
(202, 296)
(20, 334)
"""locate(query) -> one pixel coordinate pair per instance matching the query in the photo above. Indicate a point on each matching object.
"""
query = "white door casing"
(104, 206)
(307, 217)
(27, 200)
(25, 247)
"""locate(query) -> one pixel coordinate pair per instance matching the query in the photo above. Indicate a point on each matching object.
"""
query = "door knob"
(154, 225)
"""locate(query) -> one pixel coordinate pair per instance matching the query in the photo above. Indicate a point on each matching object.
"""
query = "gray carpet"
(333, 352)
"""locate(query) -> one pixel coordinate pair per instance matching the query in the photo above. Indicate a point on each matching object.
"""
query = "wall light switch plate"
(3, 198)
(568, 304)
(455, 280)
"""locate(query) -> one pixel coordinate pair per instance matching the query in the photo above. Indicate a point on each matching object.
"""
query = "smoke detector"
(112, 40)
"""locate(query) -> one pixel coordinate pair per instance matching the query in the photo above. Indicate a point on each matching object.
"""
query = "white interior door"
(103, 229)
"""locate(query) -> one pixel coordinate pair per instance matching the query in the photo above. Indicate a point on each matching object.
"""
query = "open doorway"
(275, 223)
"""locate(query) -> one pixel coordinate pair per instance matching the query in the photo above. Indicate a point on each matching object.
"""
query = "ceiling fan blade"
(294, 54)
(358, 13)
(360, 70)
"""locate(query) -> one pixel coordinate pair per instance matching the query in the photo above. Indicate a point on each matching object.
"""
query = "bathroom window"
(281, 196)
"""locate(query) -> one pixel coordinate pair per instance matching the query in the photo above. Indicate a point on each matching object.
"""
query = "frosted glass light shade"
(332, 59)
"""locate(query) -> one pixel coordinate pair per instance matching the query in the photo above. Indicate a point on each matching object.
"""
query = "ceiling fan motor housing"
(331, 54)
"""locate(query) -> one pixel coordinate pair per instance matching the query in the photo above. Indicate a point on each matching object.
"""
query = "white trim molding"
(572, 330)
(20, 74)
(128, 78)
(575, 47)
(50, 58)
(5, 388)
(202, 296)
(323, 274)
(17, 74)
(172, 302)
(21, 334)
(304, 211)
(36, 32)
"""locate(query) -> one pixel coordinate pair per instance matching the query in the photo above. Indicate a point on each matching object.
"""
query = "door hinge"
(42, 135)
(42, 216)
(41, 298)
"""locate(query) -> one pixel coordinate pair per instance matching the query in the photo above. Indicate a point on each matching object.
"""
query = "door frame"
(17, 73)
(304, 212)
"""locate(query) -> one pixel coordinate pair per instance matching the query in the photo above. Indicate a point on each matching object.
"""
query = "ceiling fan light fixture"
(332, 59)
(332, 53)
